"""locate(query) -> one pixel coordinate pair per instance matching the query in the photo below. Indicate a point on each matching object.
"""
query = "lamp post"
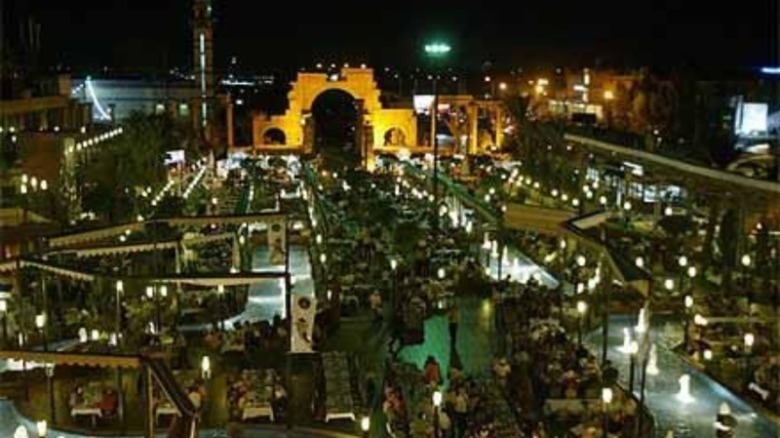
(633, 350)
(437, 397)
(683, 262)
(749, 339)
(4, 313)
(40, 324)
(120, 289)
(221, 297)
(435, 51)
(746, 261)
(669, 285)
(154, 293)
(688, 302)
(394, 268)
(582, 307)
(49, 370)
(581, 261)
(365, 426)
(205, 367)
(606, 399)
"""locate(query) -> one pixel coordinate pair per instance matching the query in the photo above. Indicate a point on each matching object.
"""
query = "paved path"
(266, 298)
(694, 419)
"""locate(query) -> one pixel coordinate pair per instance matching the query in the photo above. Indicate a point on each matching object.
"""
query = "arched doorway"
(274, 136)
(336, 122)
(394, 137)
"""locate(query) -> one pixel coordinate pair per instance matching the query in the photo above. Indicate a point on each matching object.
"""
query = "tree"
(133, 161)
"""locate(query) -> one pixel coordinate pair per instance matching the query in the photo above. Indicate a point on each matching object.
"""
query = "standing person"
(461, 410)
(375, 301)
(453, 318)
(432, 372)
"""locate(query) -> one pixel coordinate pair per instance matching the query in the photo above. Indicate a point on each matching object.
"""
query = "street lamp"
(436, 50)
(581, 260)
(633, 349)
(4, 312)
(220, 296)
(606, 398)
(205, 367)
(365, 425)
(582, 307)
(441, 273)
(746, 262)
(120, 290)
(749, 339)
(40, 323)
(437, 397)
(688, 301)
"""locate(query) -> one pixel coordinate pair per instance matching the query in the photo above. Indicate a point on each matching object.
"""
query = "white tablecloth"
(86, 411)
(258, 411)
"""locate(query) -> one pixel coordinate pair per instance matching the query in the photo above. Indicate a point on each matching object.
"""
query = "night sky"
(135, 35)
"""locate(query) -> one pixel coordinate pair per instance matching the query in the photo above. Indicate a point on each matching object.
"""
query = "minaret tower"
(203, 56)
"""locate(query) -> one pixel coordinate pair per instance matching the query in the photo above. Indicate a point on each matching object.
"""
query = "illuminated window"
(184, 110)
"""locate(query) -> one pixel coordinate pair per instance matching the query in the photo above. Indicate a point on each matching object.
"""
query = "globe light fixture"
(437, 398)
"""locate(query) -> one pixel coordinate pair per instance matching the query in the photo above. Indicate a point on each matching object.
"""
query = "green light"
(437, 49)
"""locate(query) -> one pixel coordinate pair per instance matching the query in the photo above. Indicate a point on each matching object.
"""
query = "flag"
(304, 310)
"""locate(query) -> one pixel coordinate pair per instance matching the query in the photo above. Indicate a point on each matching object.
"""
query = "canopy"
(19, 263)
(115, 230)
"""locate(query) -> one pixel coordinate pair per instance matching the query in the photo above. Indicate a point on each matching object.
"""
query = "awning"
(238, 279)
(73, 359)
(224, 219)
(95, 234)
(119, 249)
(115, 230)
(199, 240)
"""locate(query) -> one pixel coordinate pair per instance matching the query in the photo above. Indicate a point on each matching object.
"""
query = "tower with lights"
(203, 56)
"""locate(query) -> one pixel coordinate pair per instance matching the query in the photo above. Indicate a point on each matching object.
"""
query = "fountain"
(652, 362)
(642, 321)
(515, 265)
(685, 389)
(626, 347)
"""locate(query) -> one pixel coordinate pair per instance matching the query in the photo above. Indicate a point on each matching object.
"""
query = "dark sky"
(151, 34)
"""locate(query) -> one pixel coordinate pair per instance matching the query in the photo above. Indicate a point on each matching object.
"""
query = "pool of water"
(694, 419)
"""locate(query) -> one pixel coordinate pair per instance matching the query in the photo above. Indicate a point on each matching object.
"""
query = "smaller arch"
(274, 136)
(395, 136)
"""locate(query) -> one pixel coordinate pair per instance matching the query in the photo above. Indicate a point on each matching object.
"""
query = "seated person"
(76, 397)
(109, 402)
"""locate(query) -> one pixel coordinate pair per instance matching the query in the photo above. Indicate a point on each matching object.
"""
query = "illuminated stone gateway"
(395, 127)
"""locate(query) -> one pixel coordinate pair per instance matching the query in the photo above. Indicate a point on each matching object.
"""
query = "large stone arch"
(358, 83)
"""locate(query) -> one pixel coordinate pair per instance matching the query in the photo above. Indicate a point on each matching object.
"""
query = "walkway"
(694, 419)
(476, 334)
(266, 298)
